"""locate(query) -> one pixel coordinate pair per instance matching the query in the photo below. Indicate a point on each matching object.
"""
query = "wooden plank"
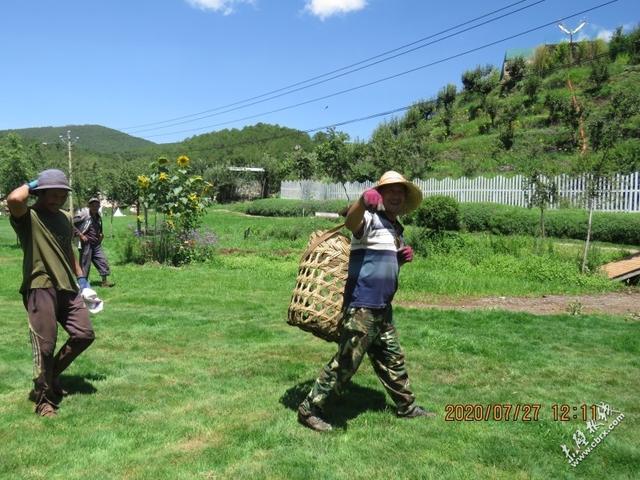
(623, 269)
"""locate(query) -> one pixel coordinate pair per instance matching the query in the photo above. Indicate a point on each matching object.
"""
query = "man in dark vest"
(89, 230)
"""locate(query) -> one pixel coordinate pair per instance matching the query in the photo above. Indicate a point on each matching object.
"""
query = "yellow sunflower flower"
(143, 182)
(163, 176)
(183, 161)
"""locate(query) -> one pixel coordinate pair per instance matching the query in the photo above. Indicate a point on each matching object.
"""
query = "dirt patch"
(619, 303)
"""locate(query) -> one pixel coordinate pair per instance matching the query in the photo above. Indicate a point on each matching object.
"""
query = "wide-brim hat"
(94, 199)
(414, 194)
(52, 178)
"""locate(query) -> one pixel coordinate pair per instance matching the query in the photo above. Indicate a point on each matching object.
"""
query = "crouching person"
(49, 288)
(377, 252)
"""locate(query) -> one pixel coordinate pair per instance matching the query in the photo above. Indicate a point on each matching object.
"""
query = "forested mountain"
(94, 138)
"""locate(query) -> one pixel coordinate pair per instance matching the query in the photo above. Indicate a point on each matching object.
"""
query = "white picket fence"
(621, 194)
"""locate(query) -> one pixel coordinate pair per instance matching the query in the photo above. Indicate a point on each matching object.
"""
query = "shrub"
(439, 212)
(132, 251)
(570, 223)
(279, 207)
(476, 217)
(170, 248)
(435, 242)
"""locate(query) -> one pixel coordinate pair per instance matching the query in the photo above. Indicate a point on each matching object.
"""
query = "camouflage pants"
(372, 332)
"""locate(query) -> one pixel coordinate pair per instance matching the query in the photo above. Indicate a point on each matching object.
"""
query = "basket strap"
(318, 240)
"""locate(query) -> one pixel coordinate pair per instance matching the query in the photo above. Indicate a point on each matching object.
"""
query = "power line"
(136, 128)
(369, 117)
(390, 77)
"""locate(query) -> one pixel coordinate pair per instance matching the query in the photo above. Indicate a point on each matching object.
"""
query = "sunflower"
(183, 161)
(162, 160)
(143, 182)
(163, 176)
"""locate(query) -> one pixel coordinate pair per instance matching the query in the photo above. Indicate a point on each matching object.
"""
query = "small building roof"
(246, 169)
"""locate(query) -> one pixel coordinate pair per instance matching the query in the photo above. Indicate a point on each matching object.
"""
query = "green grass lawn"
(195, 374)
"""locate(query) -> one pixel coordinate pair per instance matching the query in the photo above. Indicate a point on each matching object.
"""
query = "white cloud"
(326, 8)
(605, 34)
(225, 7)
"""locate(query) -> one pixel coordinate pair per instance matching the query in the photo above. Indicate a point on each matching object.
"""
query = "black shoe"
(417, 411)
(58, 389)
(313, 421)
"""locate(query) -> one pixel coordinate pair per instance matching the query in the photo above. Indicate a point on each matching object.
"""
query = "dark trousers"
(93, 254)
(46, 307)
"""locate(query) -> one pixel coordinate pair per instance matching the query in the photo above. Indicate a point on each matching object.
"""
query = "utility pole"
(574, 100)
(70, 142)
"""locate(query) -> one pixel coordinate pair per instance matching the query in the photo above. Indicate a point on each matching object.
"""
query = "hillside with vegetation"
(559, 110)
(95, 138)
(537, 113)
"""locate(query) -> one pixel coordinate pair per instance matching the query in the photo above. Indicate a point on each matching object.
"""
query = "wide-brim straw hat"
(414, 194)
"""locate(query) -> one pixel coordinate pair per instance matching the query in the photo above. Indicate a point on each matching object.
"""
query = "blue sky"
(127, 63)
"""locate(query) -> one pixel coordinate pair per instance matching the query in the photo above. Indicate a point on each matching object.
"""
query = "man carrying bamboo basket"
(377, 252)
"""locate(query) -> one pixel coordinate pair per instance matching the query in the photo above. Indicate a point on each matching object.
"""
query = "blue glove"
(83, 283)
(32, 184)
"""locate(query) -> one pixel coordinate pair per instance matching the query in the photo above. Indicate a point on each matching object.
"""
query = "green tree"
(121, 187)
(303, 163)
(531, 86)
(598, 75)
(542, 60)
(480, 81)
(540, 191)
(421, 111)
(491, 106)
(618, 44)
(276, 169)
(15, 169)
(508, 118)
(598, 170)
(515, 71)
(406, 151)
(445, 103)
(333, 158)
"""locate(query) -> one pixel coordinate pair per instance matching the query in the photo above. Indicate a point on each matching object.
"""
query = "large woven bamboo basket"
(316, 303)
